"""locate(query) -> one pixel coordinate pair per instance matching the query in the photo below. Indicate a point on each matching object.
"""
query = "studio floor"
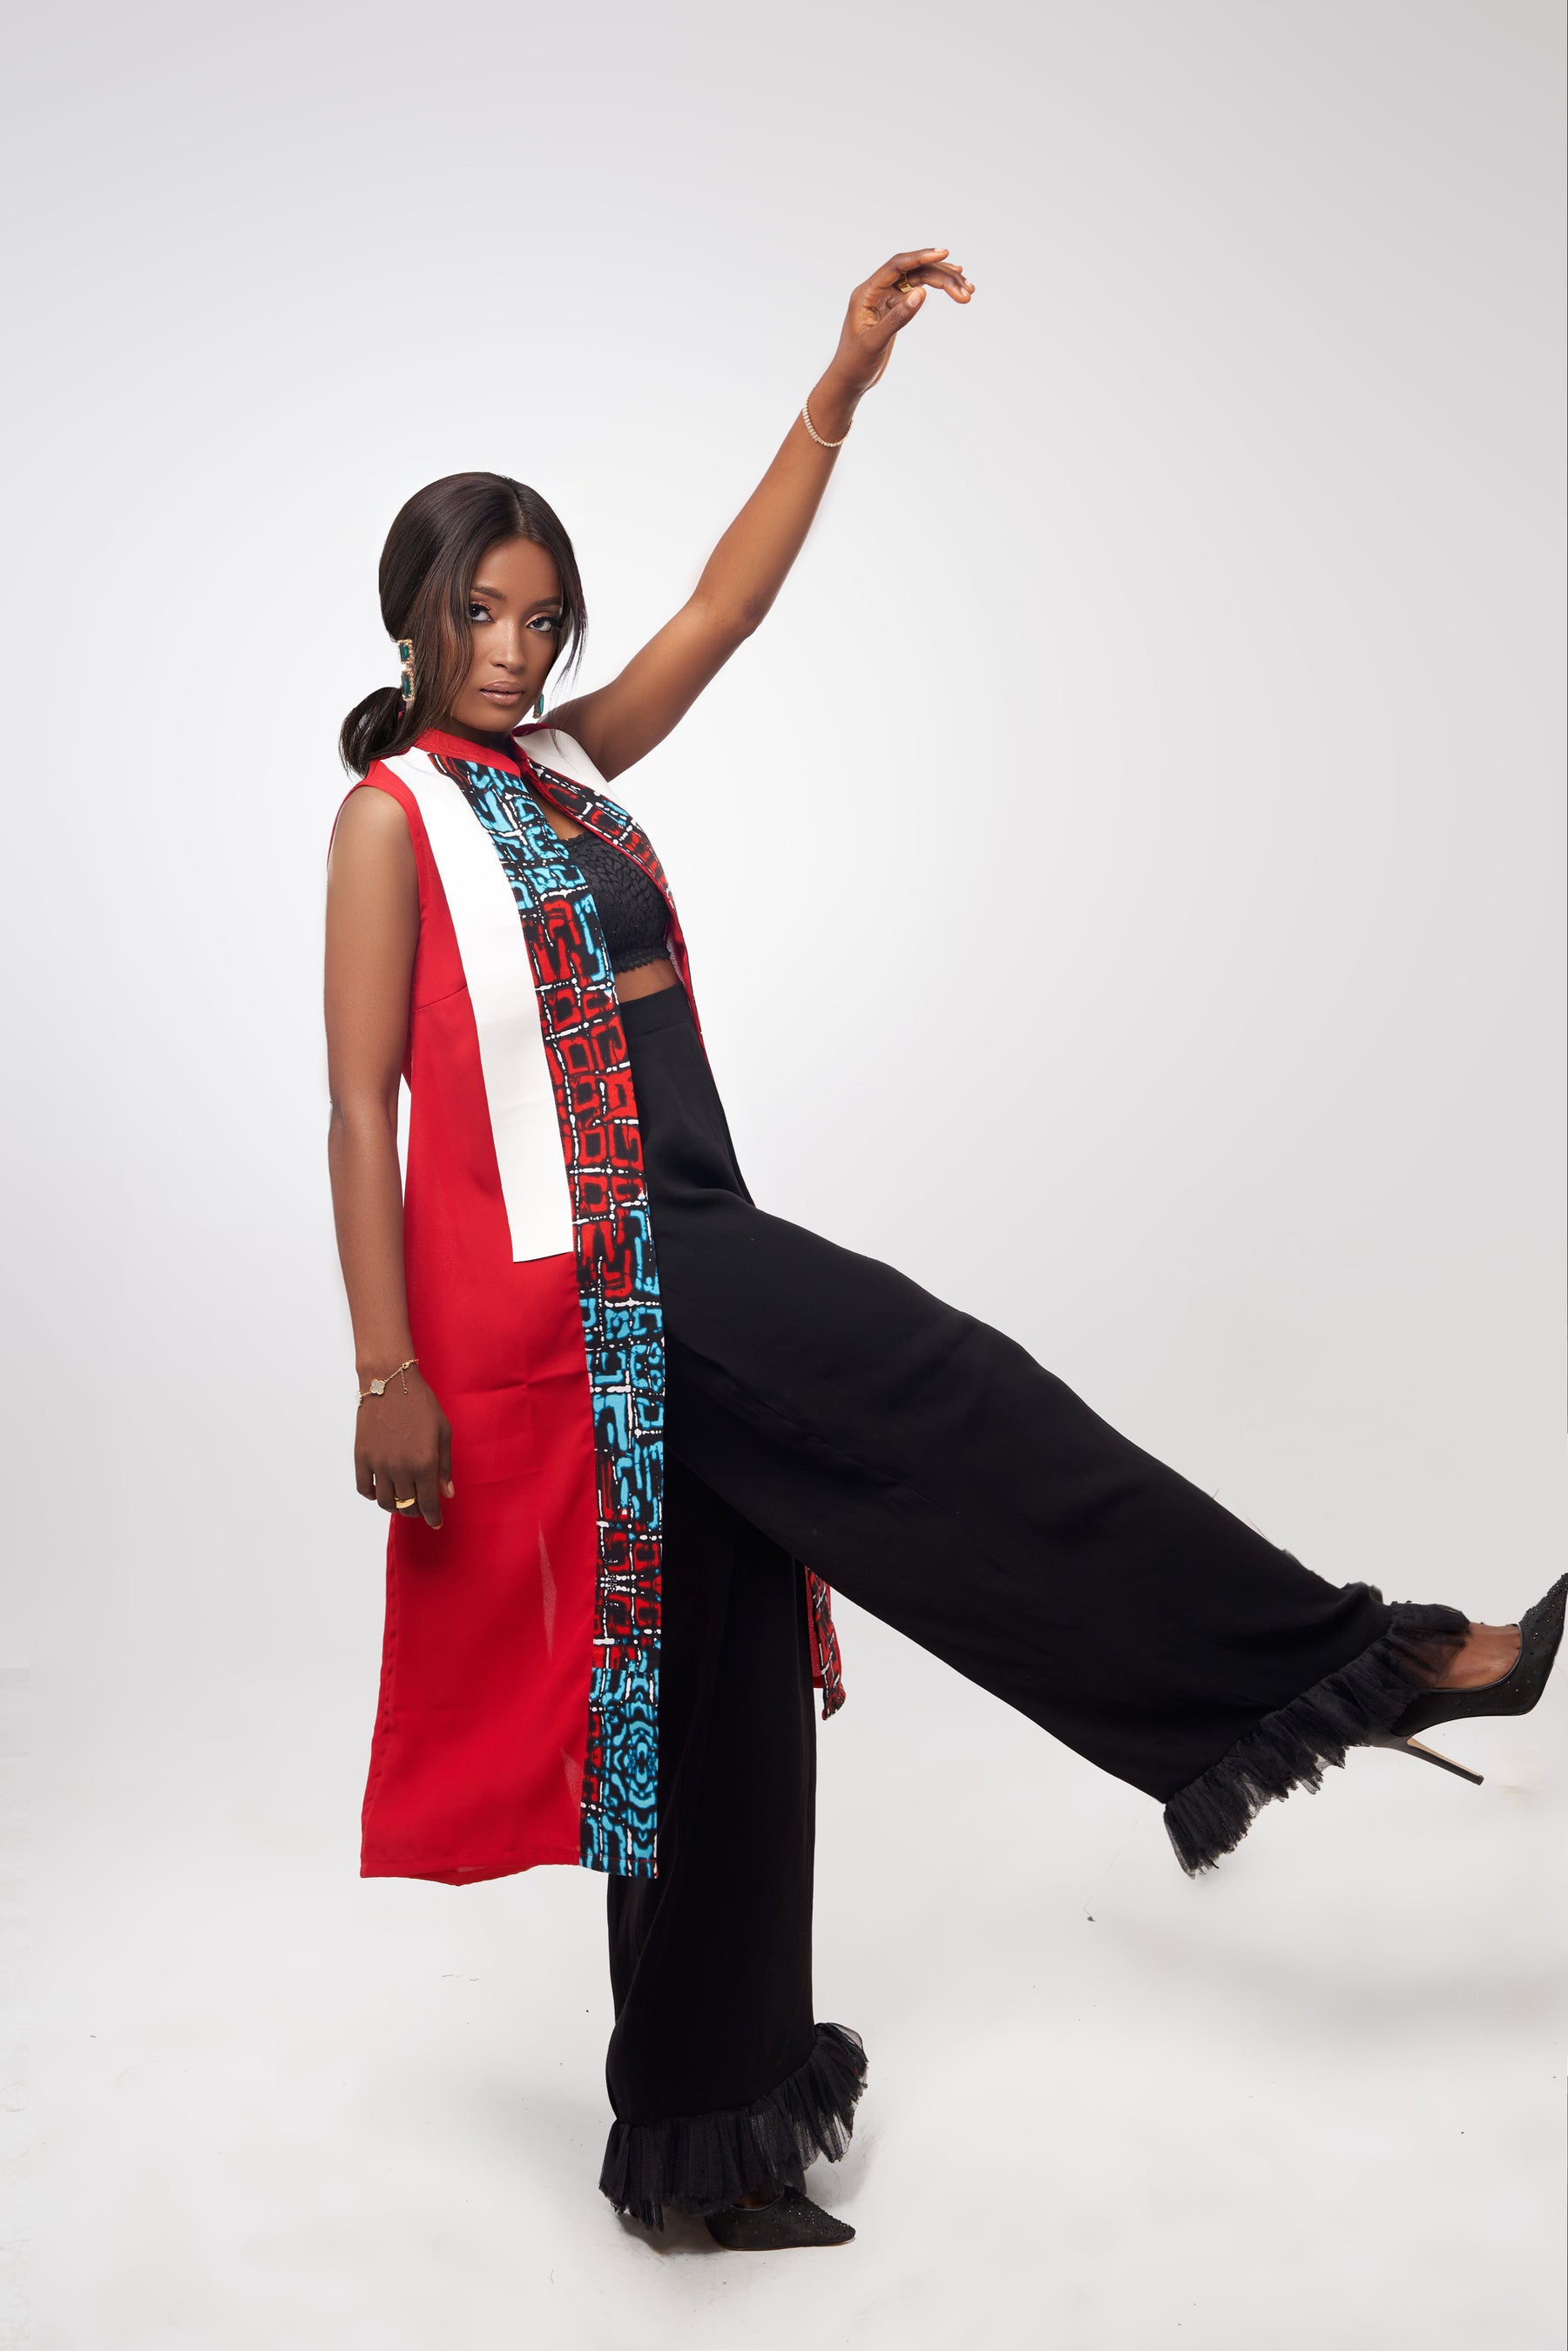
(1316, 2098)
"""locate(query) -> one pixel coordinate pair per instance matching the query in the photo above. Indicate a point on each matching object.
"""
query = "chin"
(497, 717)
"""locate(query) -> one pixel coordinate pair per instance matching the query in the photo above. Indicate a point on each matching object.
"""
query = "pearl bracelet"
(805, 419)
(806, 411)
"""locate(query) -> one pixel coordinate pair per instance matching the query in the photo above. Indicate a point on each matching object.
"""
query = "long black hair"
(428, 564)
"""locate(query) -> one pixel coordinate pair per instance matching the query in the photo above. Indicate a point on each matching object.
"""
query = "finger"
(895, 308)
(884, 324)
(447, 1487)
(945, 274)
(879, 322)
(902, 263)
(392, 1485)
(947, 282)
(364, 1476)
(901, 312)
(429, 1497)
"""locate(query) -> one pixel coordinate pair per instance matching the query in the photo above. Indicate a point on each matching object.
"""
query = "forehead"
(519, 570)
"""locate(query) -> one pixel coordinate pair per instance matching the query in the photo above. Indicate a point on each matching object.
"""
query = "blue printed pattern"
(601, 816)
(617, 1288)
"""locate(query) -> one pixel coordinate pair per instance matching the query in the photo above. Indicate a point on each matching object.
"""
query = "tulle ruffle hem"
(1290, 1748)
(696, 2163)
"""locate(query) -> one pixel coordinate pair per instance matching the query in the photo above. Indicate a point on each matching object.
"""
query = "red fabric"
(477, 1755)
(827, 1670)
(476, 1761)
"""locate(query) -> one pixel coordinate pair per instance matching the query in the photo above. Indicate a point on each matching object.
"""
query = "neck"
(503, 743)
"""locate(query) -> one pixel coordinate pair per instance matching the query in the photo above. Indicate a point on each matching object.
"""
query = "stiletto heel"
(1515, 1692)
(1427, 1755)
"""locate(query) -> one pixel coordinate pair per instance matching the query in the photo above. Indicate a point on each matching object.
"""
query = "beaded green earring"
(406, 655)
(539, 705)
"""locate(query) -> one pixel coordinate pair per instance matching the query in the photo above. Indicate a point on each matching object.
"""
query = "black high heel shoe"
(1515, 1692)
(791, 2218)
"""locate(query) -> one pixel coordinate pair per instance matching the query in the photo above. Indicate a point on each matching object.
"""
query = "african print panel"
(601, 816)
(615, 825)
(618, 1288)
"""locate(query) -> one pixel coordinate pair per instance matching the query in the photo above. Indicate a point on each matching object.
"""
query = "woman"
(629, 1429)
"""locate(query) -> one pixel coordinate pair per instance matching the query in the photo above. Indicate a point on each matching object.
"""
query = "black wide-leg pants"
(824, 1408)
(722, 2081)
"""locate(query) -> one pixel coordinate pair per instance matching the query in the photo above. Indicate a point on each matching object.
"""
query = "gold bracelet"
(380, 1387)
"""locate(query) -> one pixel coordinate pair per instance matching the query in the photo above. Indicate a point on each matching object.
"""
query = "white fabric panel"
(548, 748)
(523, 1117)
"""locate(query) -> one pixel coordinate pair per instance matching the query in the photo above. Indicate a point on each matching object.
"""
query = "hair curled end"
(368, 731)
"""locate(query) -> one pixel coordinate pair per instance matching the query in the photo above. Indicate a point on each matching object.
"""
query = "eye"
(550, 621)
(479, 612)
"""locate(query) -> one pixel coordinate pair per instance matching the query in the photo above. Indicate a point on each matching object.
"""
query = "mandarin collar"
(441, 745)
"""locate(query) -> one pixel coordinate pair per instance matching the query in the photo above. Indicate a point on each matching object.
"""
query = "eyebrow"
(498, 596)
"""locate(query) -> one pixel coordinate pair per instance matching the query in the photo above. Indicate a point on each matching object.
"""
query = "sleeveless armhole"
(438, 967)
(563, 753)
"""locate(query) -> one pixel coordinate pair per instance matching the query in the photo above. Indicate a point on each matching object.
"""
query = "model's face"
(515, 610)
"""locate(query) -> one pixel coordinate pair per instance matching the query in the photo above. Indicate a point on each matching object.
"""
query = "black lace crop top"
(631, 908)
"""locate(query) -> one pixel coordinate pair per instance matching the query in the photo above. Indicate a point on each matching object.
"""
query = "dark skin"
(403, 1448)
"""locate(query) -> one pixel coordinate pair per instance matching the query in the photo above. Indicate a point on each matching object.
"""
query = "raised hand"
(618, 723)
(884, 305)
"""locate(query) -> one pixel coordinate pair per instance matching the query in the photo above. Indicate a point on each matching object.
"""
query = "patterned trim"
(602, 817)
(618, 1288)
(617, 1285)
(611, 823)
(824, 1657)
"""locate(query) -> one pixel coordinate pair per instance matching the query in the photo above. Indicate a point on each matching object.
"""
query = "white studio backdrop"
(1165, 964)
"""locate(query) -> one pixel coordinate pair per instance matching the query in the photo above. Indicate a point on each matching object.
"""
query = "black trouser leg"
(721, 2082)
(948, 1482)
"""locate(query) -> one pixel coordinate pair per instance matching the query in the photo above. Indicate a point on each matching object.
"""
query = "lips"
(504, 692)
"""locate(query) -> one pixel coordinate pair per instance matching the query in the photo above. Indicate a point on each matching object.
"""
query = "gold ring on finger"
(412, 1503)
(903, 285)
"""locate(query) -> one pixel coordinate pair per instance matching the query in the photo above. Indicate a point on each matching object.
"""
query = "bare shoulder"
(372, 821)
(372, 857)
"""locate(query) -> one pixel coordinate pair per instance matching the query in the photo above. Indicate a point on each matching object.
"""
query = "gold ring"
(412, 1504)
(903, 285)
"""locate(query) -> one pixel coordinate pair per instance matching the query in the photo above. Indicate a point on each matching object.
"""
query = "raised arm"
(618, 723)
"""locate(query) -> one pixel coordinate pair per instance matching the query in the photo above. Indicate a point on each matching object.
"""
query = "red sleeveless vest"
(518, 1721)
